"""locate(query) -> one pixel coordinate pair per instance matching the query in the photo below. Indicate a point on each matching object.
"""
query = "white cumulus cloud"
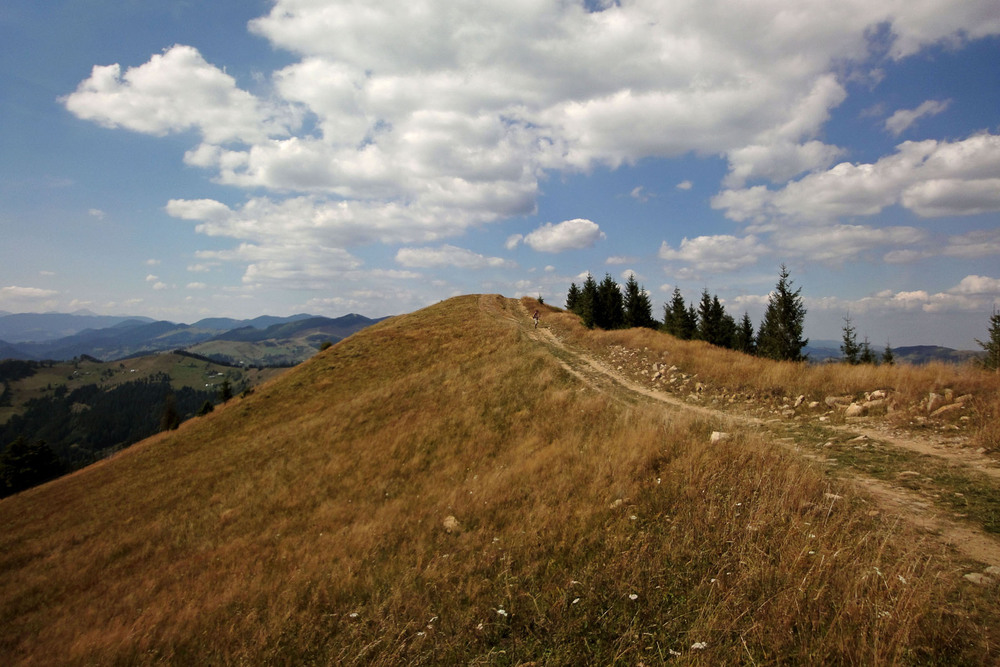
(427, 119)
(932, 178)
(900, 121)
(448, 255)
(714, 253)
(567, 235)
(174, 92)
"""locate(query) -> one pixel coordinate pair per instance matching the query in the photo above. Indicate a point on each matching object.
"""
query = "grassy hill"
(452, 486)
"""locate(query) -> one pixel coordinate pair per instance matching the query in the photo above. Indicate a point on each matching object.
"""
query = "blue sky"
(185, 159)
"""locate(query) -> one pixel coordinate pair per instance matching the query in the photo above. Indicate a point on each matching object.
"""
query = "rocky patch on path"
(941, 410)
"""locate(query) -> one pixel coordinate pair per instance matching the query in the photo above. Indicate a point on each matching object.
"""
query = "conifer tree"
(780, 335)
(727, 328)
(850, 347)
(992, 346)
(888, 357)
(714, 325)
(572, 297)
(744, 340)
(585, 305)
(674, 314)
(225, 390)
(638, 308)
(867, 355)
(609, 311)
(706, 318)
(171, 417)
(689, 326)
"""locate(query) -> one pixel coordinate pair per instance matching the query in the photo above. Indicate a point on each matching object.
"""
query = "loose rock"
(451, 524)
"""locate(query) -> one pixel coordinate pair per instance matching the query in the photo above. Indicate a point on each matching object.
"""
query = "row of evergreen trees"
(605, 305)
(862, 353)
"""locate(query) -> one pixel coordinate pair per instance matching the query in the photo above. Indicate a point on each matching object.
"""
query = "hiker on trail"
(535, 318)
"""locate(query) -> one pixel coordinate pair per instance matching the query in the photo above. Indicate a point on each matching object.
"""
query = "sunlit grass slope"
(438, 490)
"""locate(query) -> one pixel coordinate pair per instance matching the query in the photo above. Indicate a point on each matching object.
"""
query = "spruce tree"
(727, 329)
(706, 318)
(587, 302)
(609, 311)
(638, 311)
(644, 310)
(780, 335)
(867, 355)
(572, 297)
(744, 340)
(888, 358)
(225, 390)
(850, 347)
(689, 325)
(992, 346)
(170, 418)
(675, 314)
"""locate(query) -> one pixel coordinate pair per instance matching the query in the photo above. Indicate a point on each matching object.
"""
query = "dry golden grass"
(763, 379)
(438, 490)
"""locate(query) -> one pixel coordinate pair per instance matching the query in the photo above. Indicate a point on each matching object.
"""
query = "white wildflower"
(502, 612)
(698, 646)
(633, 596)
(575, 600)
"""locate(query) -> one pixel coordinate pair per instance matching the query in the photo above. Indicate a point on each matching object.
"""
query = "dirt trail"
(908, 505)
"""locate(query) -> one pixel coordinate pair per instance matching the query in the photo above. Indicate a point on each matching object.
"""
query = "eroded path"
(900, 496)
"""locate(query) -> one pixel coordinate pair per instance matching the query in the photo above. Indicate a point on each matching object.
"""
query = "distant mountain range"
(829, 350)
(265, 340)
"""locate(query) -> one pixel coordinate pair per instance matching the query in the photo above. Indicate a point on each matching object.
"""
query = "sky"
(183, 158)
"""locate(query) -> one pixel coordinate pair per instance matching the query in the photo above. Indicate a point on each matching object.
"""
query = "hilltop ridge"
(454, 486)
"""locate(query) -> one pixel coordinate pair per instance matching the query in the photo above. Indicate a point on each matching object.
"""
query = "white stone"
(855, 410)
(451, 524)
(978, 578)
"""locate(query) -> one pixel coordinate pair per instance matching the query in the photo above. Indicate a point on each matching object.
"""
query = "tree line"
(606, 305)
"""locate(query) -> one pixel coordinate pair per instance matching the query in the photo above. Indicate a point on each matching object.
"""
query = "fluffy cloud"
(952, 196)
(974, 244)
(174, 92)
(977, 285)
(972, 294)
(426, 119)
(715, 253)
(27, 299)
(312, 220)
(931, 178)
(898, 122)
(448, 255)
(296, 266)
(837, 243)
(15, 292)
(566, 235)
